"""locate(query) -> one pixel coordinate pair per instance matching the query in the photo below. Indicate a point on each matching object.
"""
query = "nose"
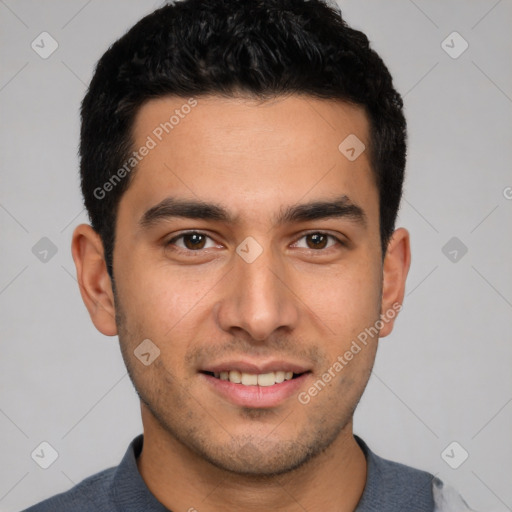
(259, 297)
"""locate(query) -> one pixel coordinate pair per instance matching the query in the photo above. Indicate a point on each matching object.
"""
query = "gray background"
(444, 375)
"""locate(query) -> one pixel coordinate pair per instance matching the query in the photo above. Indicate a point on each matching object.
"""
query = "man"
(242, 166)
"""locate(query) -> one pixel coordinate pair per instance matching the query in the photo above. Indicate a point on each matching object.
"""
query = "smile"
(251, 379)
(256, 390)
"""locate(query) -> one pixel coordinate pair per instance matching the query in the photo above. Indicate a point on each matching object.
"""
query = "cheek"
(165, 304)
(348, 301)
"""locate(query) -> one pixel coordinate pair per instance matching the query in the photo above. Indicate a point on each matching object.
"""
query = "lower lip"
(256, 396)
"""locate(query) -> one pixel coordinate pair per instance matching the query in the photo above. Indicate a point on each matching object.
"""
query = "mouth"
(255, 379)
(251, 385)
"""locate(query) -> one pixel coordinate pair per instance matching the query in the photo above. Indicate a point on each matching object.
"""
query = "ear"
(395, 269)
(93, 279)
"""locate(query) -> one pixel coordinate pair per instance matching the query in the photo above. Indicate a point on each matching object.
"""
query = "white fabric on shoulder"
(447, 499)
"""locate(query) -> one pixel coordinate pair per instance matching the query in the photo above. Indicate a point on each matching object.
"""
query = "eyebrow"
(170, 208)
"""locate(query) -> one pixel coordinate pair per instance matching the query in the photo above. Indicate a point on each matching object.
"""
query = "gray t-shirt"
(390, 487)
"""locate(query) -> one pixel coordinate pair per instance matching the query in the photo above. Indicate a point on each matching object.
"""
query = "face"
(248, 251)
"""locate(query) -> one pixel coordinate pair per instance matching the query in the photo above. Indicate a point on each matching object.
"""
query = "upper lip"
(253, 367)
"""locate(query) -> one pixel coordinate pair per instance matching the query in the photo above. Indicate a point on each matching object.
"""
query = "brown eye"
(317, 240)
(320, 242)
(192, 241)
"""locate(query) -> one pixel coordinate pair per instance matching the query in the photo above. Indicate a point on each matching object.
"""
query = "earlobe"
(395, 269)
(93, 279)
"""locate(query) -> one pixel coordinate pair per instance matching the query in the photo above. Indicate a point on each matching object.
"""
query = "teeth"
(266, 379)
(235, 376)
(249, 379)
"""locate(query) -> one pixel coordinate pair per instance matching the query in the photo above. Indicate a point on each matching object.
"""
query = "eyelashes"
(195, 242)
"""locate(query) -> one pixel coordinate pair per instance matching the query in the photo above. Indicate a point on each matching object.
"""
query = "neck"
(182, 480)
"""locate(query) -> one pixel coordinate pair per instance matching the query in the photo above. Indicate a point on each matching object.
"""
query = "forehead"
(250, 155)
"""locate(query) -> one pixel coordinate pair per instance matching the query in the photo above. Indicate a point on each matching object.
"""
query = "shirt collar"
(130, 492)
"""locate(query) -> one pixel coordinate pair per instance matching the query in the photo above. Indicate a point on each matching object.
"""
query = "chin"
(252, 462)
(265, 458)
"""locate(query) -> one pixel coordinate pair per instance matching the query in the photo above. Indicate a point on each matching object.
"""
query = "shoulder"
(393, 486)
(116, 489)
(390, 484)
(90, 495)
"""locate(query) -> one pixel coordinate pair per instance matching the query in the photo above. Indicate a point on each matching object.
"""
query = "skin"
(294, 302)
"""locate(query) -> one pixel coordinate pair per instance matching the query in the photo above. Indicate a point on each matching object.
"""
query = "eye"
(195, 241)
(192, 241)
(318, 241)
